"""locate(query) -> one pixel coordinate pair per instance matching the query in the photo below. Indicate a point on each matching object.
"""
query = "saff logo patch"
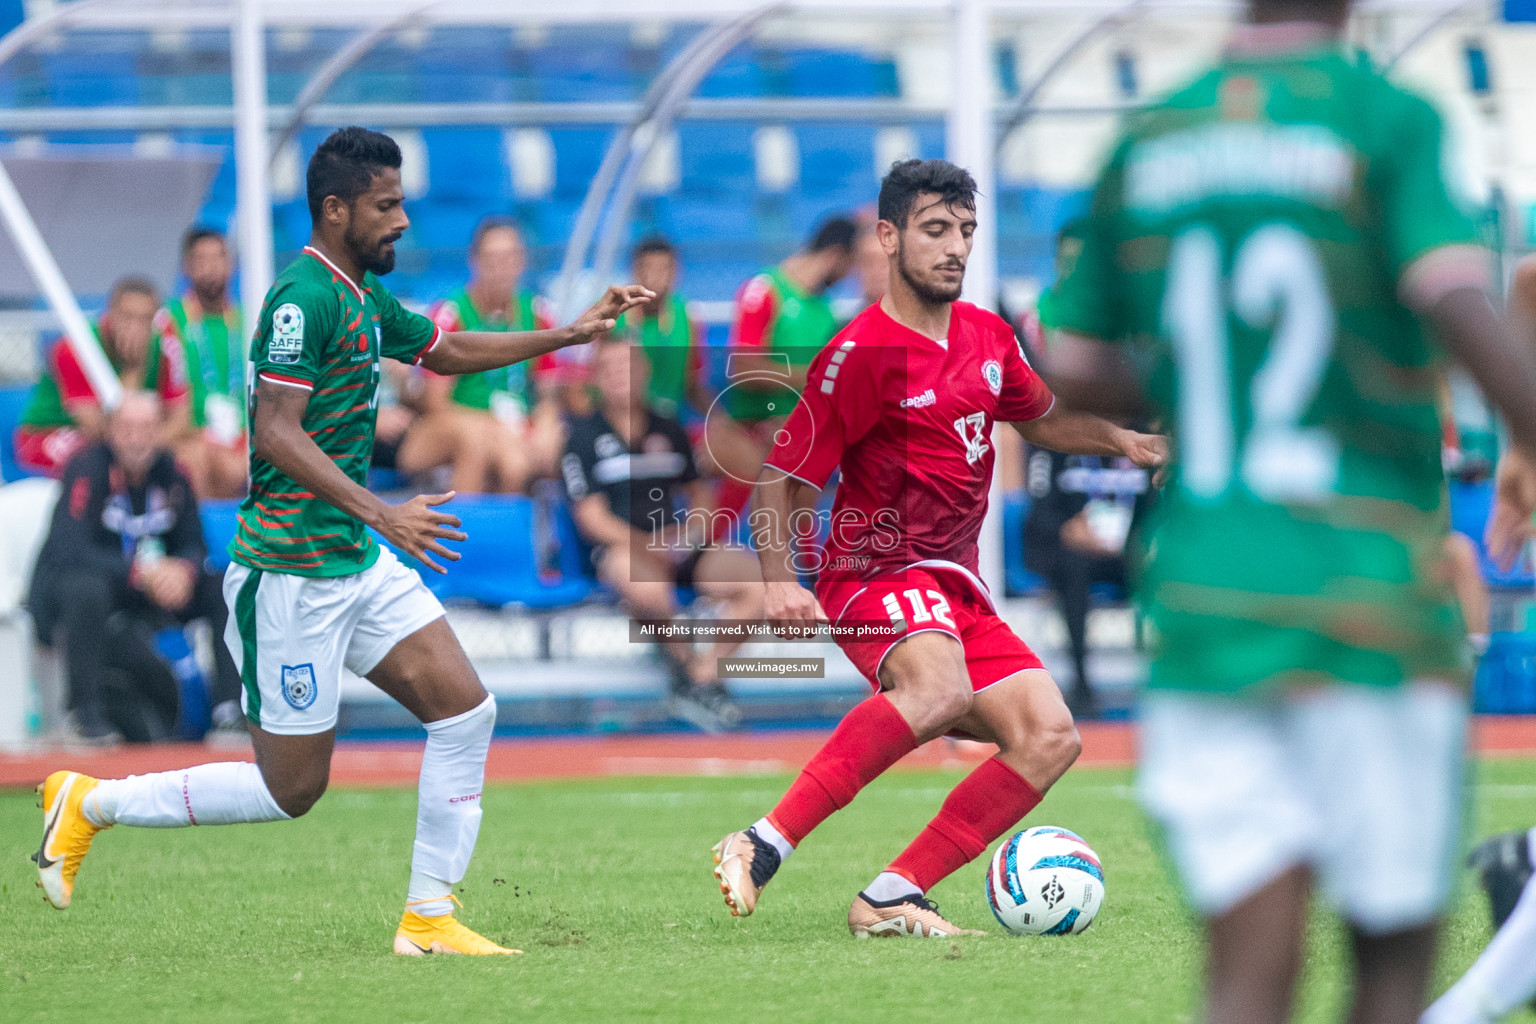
(287, 343)
(992, 373)
(299, 688)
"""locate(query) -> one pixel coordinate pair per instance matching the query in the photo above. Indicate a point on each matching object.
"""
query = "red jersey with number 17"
(909, 420)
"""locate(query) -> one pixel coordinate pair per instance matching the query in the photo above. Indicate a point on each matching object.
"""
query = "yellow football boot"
(67, 835)
(419, 936)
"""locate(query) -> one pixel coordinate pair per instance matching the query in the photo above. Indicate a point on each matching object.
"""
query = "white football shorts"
(1364, 785)
(291, 636)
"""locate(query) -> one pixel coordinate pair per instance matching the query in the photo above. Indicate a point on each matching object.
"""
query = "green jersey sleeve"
(296, 325)
(1419, 212)
(403, 335)
(1084, 299)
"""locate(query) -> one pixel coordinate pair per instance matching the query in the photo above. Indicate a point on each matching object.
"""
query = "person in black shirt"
(1084, 508)
(626, 469)
(125, 556)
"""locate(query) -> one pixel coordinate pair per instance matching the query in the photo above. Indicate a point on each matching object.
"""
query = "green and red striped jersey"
(321, 332)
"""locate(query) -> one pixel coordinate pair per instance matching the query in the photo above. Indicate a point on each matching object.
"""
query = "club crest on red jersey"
(992, 373)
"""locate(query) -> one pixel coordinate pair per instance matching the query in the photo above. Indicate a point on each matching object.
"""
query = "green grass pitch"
(606, 884)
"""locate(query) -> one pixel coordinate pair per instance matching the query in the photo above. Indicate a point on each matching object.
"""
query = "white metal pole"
(968, 140)
(50, 280)
(253, 203)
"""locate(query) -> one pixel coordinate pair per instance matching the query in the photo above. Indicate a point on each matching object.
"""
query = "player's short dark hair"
(345, 165)
(836, 232)
(133, 284)
(653, 244)
(200, 233)
(907, 179)
(493, 222)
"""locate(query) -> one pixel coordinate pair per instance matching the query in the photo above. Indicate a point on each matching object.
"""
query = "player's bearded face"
(374, 250)
(377, 220)
(931, 251)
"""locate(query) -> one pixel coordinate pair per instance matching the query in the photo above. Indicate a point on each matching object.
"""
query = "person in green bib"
(783, 319)
(497, 429)
(663, 332)
(203, 327)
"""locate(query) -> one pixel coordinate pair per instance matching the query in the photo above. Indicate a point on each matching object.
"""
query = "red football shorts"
(919, 601)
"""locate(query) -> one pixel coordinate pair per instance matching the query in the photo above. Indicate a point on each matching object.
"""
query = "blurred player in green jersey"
(311, 593)
(1274, 261)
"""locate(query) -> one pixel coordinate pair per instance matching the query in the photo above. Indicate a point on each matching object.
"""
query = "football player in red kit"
(904, 400)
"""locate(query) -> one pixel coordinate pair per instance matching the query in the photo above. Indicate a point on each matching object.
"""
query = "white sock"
(227, 793)
(1503, 978)
(448, 806)
(773, 837)
(888, 885)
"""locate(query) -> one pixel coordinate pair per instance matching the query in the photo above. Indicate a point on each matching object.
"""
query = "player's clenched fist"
(416, 527)
(791, 609)
(605, 313)
(1149, 451)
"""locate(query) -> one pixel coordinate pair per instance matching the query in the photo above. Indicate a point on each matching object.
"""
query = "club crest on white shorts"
(299, 687)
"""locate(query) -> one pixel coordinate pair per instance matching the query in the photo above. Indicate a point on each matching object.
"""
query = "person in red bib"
(903, 400)
(63, 412)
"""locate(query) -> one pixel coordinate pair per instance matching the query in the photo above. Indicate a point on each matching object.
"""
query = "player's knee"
(1060, 741)
(945, 699)
(297, 795)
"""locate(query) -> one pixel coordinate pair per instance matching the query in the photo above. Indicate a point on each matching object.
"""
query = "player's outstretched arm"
(415, 527)
(474, 351)
(786, 604)
(1090, 375)
(1078, 433)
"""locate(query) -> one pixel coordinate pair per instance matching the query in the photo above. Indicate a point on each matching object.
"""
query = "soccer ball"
(1045, 881)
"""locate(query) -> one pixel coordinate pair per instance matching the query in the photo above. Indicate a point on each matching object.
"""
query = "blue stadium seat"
(578, 154)
(837, 156)
(368, 85)
(219, 524)
(577, 72)
(734, 76)
(836, 73)
(445, 224)
(466, 163)
(710, 219)
(716, 159)
(92, 79)
(12, 402)
(499, 566)
(290, 224)
(1506, 676)
(1018, 580)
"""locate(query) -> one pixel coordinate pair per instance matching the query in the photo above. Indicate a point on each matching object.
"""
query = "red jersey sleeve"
(74, 385)
(1025, 396)
(840, 405)
(172, 376)
(756, 306)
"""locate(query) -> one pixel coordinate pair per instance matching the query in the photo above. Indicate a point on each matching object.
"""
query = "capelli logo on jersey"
(921, 401)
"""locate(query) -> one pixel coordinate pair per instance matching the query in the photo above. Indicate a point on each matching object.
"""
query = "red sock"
(869, 739)
(987, 803)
